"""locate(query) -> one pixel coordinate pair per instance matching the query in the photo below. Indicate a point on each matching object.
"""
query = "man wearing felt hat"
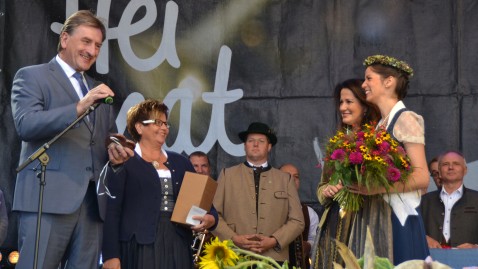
(258, 205)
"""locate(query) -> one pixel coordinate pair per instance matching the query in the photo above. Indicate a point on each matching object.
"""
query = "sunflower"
(217, 255)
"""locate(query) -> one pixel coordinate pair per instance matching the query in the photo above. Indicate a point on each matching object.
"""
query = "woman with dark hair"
(349, 92)
(138, 232)
(386, 84)
(353, 111)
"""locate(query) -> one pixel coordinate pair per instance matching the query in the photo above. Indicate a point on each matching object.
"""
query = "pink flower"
(384, 147)
(360, 135)
(393, 174)
(356, 157)
(338, 154)
(358, 144)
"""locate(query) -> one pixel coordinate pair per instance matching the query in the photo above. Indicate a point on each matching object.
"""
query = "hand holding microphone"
(108, 100)
(99, 94)
(103, 89)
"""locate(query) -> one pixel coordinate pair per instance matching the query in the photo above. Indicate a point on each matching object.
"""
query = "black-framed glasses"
(158, 122)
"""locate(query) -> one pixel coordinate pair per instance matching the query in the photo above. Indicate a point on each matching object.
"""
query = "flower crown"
(390, 61)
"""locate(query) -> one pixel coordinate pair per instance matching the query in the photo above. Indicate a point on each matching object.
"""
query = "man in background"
(258, 205)
(434, 172)
(200, 162)
(311, 218)
(450, 214)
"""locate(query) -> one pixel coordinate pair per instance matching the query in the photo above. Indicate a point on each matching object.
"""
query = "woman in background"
(138, 232)
(354, 111)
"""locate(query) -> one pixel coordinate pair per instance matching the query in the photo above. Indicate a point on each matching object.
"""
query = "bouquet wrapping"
(367, 157)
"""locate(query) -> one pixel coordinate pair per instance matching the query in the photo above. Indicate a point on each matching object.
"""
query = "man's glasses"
(158, 122)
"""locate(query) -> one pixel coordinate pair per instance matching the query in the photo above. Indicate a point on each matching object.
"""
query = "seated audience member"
(434, 172)
(200, 163)
(450, 214)
(311, 218)
(3, 219)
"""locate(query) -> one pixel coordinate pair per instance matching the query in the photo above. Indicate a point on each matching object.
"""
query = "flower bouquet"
(225, 255)
(367, 157)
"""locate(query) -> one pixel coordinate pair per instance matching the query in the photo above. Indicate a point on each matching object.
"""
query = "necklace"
(384, 121)
(156, 165)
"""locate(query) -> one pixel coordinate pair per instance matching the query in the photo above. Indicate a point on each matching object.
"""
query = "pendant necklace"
(156, 165)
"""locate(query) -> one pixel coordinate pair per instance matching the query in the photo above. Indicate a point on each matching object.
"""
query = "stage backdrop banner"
(220, 65)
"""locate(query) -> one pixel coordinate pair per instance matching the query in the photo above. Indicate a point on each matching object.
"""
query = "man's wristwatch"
(277, 247)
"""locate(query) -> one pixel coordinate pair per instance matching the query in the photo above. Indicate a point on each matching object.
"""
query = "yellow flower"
(217, 255)
(367, 157)
(363, 148)
(386, 137)
(404, 162)
(378, 141)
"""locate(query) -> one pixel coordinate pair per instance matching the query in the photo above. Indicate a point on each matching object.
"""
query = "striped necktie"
(79, 77)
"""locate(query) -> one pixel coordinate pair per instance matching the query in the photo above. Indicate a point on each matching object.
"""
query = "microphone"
(108, 100)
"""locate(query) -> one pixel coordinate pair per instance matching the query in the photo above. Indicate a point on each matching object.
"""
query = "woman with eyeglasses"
(138, 232)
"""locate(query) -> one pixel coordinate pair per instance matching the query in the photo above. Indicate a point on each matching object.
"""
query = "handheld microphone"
(108, 100)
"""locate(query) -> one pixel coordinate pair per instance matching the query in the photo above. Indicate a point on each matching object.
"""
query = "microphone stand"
(42, 156)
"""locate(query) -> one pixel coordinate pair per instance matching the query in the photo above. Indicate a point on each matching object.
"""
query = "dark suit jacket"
(3, 219)
(43, 104)
(463, 219)
(135, 209)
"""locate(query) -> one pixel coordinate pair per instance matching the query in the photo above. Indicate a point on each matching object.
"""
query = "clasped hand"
(254, 242)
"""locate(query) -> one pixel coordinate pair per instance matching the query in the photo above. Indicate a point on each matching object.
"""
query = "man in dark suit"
(450, 214)
(46, 99)
(3, 219)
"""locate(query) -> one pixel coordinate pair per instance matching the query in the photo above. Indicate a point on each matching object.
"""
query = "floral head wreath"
(389, 61)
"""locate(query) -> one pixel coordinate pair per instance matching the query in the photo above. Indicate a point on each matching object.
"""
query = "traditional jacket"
(278, 214)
